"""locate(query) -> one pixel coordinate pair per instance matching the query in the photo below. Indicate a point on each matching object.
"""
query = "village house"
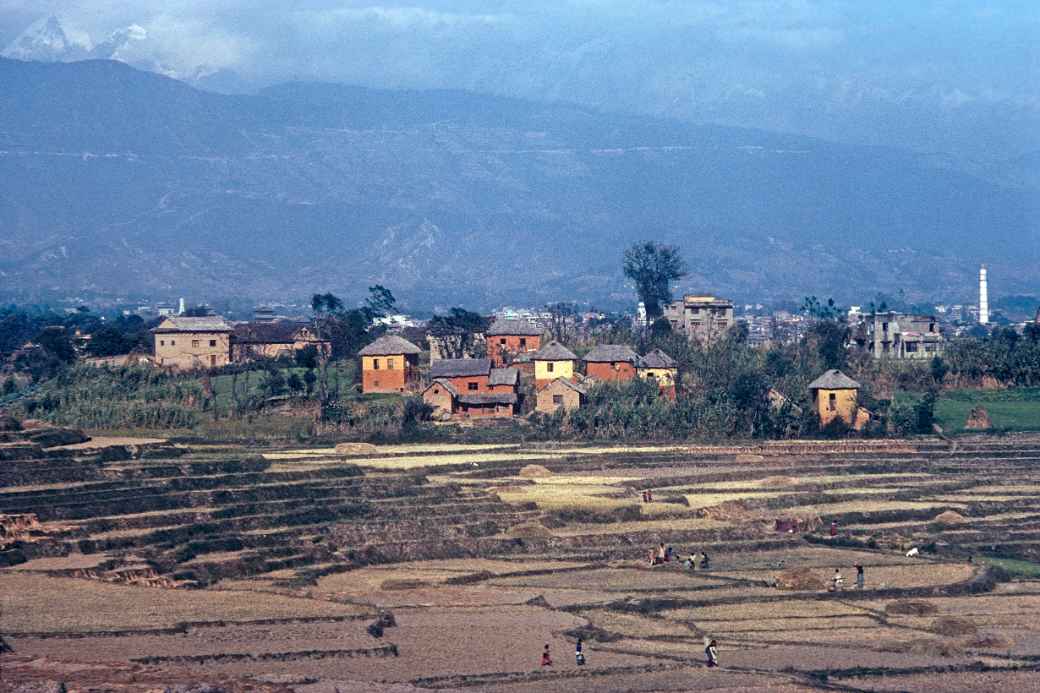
(553, 361)
(275, 339)
(506, 339)
(187, 343)
(472, 388)
(898, 336)
(835, 396)
(561, 393)
(701, 318)
(611, 363)
(389, 364)
(661, 368)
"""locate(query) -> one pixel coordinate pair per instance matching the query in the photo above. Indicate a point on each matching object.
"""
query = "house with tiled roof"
(553, 361)
(506, 339)
(611, 363)
(561, 393)
(275, 339)
(476, 388)
(389, 364)
(190, 343)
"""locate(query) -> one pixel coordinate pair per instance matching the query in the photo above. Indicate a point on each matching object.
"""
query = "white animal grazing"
(912, 552)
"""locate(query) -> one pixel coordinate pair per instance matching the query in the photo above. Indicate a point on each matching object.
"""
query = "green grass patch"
(1016, 409)
(1015, 567)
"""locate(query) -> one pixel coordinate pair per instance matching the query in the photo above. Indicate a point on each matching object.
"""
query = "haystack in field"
(529, 530)
(800, 579)
(949, 518)
(954, 627)
(356, 448)
(911, 607)
(534, 471)
(978, 420)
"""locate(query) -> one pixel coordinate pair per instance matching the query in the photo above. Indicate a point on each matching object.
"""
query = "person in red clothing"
(546, 659)
(834, 529)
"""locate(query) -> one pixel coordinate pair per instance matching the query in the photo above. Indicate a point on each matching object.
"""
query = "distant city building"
(192, 343)
(701, 318)
(899, 336)
(983, 297)
(263, 314)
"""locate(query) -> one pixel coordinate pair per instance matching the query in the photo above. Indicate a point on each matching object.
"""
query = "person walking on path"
(579, 654)
(860, 577)
(546, 659)
(711, 653)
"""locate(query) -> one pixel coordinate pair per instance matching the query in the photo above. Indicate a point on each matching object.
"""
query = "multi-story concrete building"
(899, 336)
(701, 318)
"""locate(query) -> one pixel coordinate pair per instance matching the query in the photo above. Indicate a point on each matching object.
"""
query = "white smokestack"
(983, 297)
(182, 308)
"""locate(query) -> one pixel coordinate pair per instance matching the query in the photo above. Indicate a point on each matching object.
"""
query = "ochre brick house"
(661, 368)
(561, 393)
(389, 364)
(506, 339)
(253, 340)
(187, 343)
(612, 363)
(553, 361)
(477, 390)
(835, 396)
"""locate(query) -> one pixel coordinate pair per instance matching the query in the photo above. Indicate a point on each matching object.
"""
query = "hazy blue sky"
(955, 76)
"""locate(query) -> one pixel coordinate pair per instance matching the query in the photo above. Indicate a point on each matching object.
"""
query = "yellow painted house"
(659, 366)
(553, 361)
(835, 395)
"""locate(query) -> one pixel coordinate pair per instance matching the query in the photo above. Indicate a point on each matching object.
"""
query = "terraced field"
(443, 567)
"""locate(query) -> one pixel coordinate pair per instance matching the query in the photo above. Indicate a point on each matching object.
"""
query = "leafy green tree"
(456, 332)
(110, 341)
(380, 301)
(653, 267)
(938, 369)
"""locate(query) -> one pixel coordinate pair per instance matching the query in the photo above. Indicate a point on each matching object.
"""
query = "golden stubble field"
(556, 547)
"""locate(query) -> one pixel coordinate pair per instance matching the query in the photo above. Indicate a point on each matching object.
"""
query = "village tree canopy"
(653, 267)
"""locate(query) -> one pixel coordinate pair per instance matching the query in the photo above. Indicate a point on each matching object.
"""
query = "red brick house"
(611, 363)
(389, 364)
(258, 340)
(471, 388)
(506, 339)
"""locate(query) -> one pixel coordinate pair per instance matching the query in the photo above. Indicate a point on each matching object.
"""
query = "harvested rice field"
(451, 567)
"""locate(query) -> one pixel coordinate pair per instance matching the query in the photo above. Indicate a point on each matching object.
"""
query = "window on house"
(390, 364)
(549, 366)
(375, 364)
(162, 342)
(213, 359)
(832, 402)
(557, 399)
(472, 386)
(213, 342)
(523, 343)
(194, 344)
(911, 346)
(173, 342)
(502, 341)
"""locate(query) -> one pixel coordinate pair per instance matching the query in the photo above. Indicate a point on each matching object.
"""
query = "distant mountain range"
(117, 180)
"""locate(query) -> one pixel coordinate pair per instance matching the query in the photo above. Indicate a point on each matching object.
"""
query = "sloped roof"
(834, 380)
(446, 385)
(564, 382)
(209, 323)
(553, 351)
(523, 328)
(489, 398)
(656, 359)
(606, 353)
(460, 368)
(388, 345)
(504, 376)
(279, 332)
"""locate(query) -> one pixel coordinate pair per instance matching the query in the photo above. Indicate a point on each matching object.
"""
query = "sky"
(946, 76)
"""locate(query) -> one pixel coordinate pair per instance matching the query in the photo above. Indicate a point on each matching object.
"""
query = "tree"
(110, 341)
(456, 332)
(812, 307)
(380, 301)
(562, 319)
(653, 267)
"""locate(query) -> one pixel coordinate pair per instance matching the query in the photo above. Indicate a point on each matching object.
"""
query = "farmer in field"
(662, 554)
(711, 653)
(691, 561)
(579, 654)
(860, 578)
(546, 659)
(705, 562)
(834, 528)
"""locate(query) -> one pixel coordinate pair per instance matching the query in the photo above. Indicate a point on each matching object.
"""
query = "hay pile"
(749, 457)
(988, 641)
(924, 646)
(949, 519)
(780, 481)
(800, 579)
(953, 627)
(911, 607)
(529, 530)
(728, 510)
(534, 471)
(356, 448)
